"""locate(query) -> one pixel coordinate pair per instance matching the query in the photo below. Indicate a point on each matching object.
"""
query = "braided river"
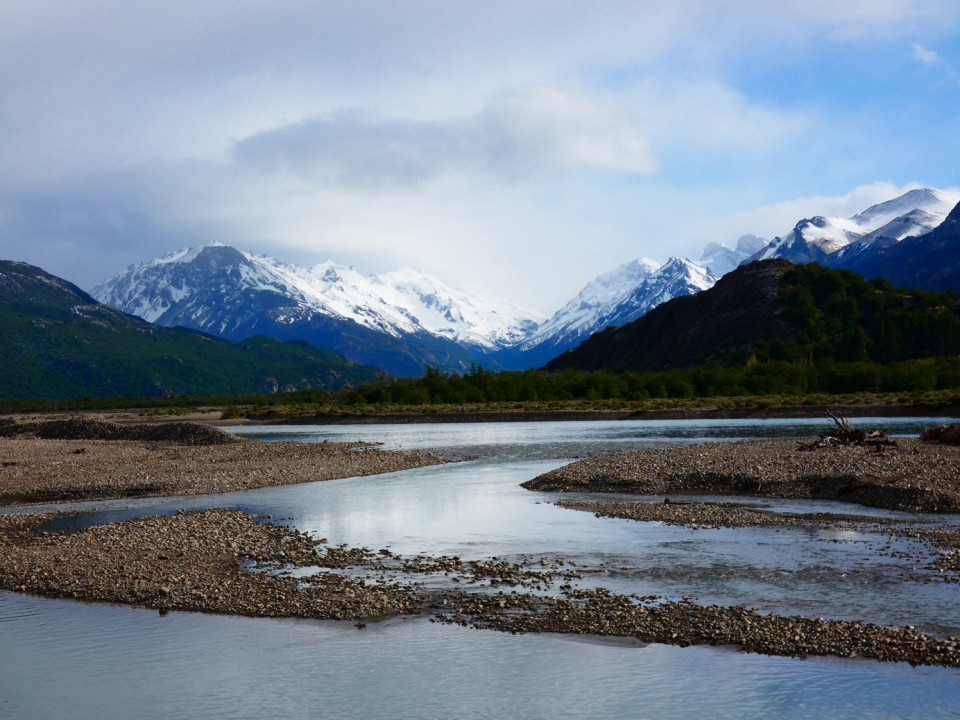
(69, 659)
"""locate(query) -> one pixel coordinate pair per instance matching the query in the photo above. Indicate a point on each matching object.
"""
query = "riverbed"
(103, 661)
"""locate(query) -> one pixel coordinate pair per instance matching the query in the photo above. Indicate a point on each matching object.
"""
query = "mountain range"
(854, 243)
(614, 298)
(59, 342)
(403, 320)
(399, 321)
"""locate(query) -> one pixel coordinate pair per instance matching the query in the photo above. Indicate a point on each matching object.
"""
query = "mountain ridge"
(406, 320)
(848, 242)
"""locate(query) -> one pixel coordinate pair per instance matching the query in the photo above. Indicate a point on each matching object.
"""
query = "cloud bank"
(514, 148)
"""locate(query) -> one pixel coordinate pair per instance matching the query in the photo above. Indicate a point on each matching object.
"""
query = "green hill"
(58, 342)
(774, 310)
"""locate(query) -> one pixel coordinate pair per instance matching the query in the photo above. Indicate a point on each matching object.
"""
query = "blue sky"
(516, 149)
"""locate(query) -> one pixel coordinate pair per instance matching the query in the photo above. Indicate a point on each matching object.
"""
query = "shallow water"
(74, 660)
(69, 659)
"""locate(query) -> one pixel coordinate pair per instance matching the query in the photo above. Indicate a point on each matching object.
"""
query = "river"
(67, 659)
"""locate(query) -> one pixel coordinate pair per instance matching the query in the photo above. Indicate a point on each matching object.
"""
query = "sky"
(513, 148)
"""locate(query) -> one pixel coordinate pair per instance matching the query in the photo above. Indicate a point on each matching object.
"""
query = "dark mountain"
(773, 309)
(726, 321)
(59, 342)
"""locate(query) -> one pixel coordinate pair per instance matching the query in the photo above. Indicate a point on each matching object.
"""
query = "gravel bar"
(227, 562)
(684, 623)
(912, 476)
(707, 515)
(201, 561)
(39, 466)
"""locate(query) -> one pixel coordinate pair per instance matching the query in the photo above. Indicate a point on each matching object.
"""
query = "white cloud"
(931, 58)
(515, 135)
(925, 56)
(488, 142)
(701, 113)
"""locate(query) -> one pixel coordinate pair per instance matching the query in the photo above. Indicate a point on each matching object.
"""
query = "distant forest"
(769, 377)
(766, 378)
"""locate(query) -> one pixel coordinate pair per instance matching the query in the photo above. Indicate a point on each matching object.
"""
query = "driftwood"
(843, 433)
(943, 434)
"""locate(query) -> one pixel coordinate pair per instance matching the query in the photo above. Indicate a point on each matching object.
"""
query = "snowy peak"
(674, 278)
(719, 259)
(827, 239)
(931, 200)
(415, 301)
(149, 290)
(208, 287)
(597, 300)
(614, 298)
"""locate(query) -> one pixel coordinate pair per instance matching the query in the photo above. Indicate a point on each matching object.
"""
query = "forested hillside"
(58, 342)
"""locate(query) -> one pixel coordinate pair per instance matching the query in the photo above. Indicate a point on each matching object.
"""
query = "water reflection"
(56, 655)
(91, 661)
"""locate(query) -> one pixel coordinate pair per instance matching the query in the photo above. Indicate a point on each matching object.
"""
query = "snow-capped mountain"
(930, 261)
(405, 319)
(836, 241)
(592, 305)
(674, 278)
(718, 259)
(630, 291)
(234, 294)
(614, 298)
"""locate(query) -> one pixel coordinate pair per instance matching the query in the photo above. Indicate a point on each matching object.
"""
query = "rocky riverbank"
(206, 561)
(222, 561)
(46, 463)
(684, 623)
(707, 515)
(911, 476)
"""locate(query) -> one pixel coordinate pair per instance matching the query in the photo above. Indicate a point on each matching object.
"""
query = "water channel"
(68, 659)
